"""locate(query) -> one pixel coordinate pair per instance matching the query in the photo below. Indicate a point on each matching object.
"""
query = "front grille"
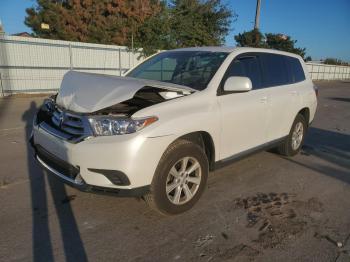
(63, 124)
(67, 122)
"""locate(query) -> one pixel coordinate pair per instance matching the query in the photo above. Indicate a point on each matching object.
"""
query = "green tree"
(185, 23)
(281, 42)
(308, 59)
(252, 38)
(149, 24)
(153, 34)
(1, 27)
(198, 23)
(97, 21)
(334, 61)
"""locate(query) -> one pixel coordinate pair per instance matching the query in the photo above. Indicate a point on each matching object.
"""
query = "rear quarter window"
(295, 69)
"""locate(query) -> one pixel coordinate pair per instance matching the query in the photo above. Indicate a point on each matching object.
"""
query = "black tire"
(286, 148)
(157, 198)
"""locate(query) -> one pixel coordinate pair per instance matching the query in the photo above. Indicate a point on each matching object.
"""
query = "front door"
(243, 115)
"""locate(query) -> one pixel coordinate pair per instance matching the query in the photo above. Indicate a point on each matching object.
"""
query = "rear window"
(274, 70)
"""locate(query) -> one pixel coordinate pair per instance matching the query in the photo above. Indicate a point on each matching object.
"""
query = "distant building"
(24, 34)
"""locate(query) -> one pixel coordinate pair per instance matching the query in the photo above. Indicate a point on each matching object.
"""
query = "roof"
(229, 49)
(226, 49)
(25, 34)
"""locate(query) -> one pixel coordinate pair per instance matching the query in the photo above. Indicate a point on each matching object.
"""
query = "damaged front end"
(145, 97)
(61, 123)
(57, 117)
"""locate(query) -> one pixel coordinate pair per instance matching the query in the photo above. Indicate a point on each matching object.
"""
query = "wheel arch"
(204, 140)
(305, 112)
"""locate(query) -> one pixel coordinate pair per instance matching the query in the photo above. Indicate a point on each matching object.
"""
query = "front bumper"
(83, 165)
(70, 175)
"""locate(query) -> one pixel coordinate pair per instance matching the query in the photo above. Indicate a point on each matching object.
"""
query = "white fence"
(328, 72)
(38, 65)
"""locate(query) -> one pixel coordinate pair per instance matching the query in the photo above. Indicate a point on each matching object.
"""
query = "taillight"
(316, 90)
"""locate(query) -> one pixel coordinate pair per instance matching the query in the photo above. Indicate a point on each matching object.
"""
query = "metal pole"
(132, 45)
(120, 62)
(132, 41)
(70, 57)
(324, 71)
(2, 87)
(257, 15)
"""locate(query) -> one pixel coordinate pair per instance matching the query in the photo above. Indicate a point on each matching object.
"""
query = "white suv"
(158, 131)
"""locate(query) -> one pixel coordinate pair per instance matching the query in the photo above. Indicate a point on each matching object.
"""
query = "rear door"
(284, 98)
(243, 115)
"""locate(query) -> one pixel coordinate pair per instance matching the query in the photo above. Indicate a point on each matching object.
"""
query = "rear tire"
(180, 178)
(294, 141)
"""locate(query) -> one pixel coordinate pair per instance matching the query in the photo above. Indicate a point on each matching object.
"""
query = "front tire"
(294, 141)
(180, 178)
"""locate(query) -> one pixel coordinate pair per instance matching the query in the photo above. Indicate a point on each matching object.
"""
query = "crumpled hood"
(86, 92)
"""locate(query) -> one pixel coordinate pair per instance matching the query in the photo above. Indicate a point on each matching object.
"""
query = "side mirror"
(238, 84)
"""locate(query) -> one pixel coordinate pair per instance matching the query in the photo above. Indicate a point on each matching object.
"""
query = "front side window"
(247, 66)
(189, 68)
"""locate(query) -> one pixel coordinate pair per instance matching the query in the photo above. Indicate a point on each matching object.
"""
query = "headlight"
(109, 125)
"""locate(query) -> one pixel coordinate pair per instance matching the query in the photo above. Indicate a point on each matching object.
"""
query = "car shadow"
(41, 237)
(331, 147)
(340, 99)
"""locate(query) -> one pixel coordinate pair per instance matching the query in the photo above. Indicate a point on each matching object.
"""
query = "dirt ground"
(262, 208)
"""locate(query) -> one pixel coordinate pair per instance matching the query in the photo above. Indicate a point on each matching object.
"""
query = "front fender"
(185, 115)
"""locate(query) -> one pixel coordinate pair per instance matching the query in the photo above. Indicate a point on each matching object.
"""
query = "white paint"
(236, 122)
(85, 92)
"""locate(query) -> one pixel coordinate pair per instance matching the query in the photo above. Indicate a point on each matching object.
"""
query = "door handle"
(294, 93)
(263, 99)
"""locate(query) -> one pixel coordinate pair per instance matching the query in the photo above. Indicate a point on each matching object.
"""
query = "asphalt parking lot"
(262, 208)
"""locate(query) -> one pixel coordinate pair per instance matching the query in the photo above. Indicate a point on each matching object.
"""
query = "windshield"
(189, 68)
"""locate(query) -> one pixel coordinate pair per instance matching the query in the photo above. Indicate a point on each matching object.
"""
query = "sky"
(321, 26)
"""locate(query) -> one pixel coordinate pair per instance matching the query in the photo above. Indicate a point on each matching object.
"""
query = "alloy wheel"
(297, 136)
(183, 180)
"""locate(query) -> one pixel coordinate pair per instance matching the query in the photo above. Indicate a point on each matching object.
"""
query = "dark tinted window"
(274, 69)
(296, 72)
(246, 66)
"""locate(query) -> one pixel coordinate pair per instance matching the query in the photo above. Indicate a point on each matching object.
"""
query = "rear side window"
(247, 66)
(274, 70)
(296, 72)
